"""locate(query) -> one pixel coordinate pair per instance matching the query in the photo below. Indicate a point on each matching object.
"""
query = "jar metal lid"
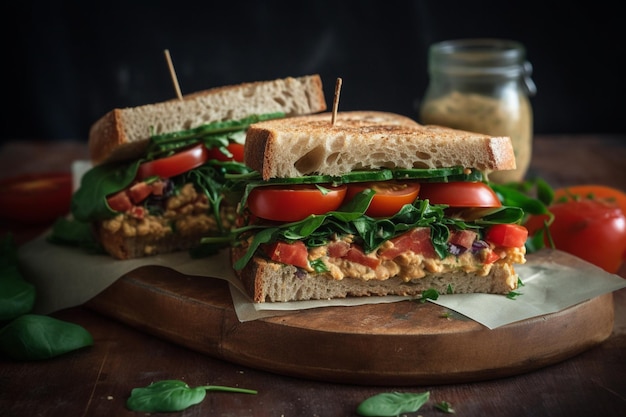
(482, 57)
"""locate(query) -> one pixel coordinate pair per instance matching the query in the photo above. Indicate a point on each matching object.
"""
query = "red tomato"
(294, 253)
(460, 194)
(294, 203)
(591, 191)
(120, 201)
(507, 235)
(356, 255)
(416, 240)
(236, 149)
(36, 198)
(593, 230)
(173, 165)
(389, 198)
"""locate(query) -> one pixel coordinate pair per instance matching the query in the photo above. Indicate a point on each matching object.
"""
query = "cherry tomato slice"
(460, 194)
(173, 165)
(294, 203)
(389, 198)
(36, 198)
(236, 149)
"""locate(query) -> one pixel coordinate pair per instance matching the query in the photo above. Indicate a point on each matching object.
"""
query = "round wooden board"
(404, 343)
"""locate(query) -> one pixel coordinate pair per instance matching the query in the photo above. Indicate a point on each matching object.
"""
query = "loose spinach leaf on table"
(36, 337)
(389, 404)
(17, 296)
(172, 395)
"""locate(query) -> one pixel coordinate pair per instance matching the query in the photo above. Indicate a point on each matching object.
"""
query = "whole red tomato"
(592, 229)
(35, 199)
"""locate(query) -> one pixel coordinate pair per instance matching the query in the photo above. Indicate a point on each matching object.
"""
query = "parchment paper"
(553, 280)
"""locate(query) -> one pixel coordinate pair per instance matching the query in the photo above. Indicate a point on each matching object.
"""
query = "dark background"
(66, 63)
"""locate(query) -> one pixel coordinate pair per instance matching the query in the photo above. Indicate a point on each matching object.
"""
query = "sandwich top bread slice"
(374, 204)
(369, 140)
(156, 184)
(124, 133)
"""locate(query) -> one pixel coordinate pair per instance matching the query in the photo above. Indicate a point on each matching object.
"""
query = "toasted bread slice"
(311, 144)
(124, 133)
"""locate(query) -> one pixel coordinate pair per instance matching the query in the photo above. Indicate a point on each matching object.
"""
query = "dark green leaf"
(392, 404)
(35, 337)
(511, 196)
(8, 251)
(172, 395)
(445, 406)
(74, 233)
(17, 296)
(89, 201)
(165, 396)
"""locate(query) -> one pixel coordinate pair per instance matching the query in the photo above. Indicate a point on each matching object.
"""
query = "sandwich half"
(372, 205)
(156, 183)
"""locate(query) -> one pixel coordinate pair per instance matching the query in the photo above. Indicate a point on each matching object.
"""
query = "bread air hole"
(310, 161)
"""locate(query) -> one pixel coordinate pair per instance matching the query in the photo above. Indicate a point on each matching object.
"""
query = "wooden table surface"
(96, 381)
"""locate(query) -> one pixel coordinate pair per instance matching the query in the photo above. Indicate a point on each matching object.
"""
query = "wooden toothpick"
(173, 74)
(336, 100)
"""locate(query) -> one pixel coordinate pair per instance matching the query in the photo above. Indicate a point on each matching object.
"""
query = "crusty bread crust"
(124, 133)
(120, 246)
(313, 145)
(267, 281)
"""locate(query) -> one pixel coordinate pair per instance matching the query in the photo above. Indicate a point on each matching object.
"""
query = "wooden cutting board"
(404, 343)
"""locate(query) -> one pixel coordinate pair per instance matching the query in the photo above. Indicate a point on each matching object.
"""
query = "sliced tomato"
(507, 235)
(235, 149)
(356, 254)
(389, 198)
(173, 165)
(463, 238)
(416, 240)
(460, 194)
(294, 253)
(139, 192)
(294, 203)
(35, 198)
(120, 201)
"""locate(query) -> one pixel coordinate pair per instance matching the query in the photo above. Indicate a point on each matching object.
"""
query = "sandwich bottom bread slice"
(374, 204)
(156, 184)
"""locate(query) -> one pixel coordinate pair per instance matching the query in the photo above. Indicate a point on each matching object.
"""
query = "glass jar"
(483, 86)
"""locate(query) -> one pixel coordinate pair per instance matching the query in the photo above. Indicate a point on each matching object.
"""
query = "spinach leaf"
(392, 404)
(74, 233)
(17, 296)
(172, 395)
(89, 201)
(36, 337)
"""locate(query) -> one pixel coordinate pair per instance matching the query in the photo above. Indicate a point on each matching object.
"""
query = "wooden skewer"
(173, 74)
(336, 100)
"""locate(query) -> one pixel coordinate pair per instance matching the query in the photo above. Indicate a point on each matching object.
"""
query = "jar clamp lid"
(483, 57)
